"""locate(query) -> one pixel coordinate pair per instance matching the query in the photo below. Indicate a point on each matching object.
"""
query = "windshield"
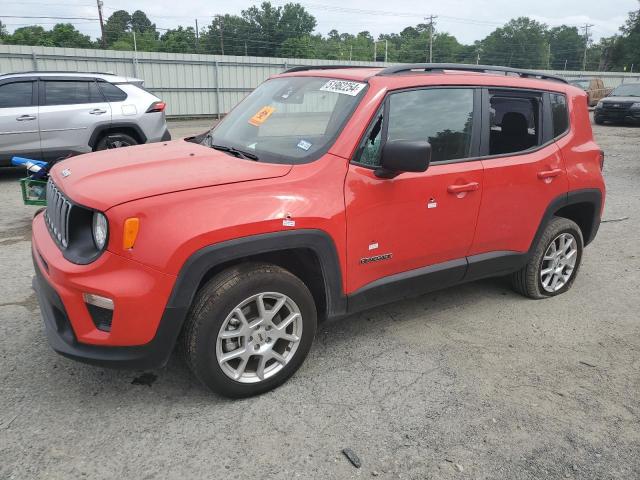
(584, 84)
(288, 120)
(629, 90)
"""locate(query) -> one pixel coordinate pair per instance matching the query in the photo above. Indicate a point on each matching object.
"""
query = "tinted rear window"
(560, 114)
(18, 94)
(112, 93)
(70, 92)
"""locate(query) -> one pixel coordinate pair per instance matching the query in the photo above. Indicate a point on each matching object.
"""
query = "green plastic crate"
(34, 192)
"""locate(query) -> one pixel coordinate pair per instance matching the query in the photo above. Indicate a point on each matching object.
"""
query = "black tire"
(215, 302)
(598, 120)
(527, 281)
(115, 140)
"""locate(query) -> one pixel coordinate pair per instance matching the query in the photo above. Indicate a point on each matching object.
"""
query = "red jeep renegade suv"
(325, 192)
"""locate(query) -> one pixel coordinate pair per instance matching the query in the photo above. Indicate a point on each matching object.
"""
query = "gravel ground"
(471, 382)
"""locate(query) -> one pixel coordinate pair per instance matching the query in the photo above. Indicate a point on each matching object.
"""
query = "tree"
(116, 27)
(140, 23)
(31, 35)
(566, 46)
(520, 43)
(3, 31)
(179, 40)
(66, 35)
(628, 45)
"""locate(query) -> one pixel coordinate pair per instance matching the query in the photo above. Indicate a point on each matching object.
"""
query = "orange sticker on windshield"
(262, 115)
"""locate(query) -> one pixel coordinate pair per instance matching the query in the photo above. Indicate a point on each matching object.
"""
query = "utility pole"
(245, 48)
(375, 50)
(197, 36)
(565, 63)
(586, 27)
(549, 56)
(431, 18)
(385, 50)
(350, 52)
(221, 20)
(478, 50)
(101, 22)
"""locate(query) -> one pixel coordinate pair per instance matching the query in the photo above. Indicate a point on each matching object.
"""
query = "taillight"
(601, 160)
(157, 107)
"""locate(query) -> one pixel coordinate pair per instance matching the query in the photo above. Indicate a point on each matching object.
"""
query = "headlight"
(599, 104)
(636, 105)
(100, 230)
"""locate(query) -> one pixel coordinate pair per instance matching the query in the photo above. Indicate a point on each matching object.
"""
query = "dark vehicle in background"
(594, 87)
(622, 105)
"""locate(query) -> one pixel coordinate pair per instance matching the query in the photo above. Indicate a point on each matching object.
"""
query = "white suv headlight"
(100, 230)
(636, 105)
(599, 105)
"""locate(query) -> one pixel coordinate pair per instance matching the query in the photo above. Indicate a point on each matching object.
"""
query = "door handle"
(467, 187)
(25, 118)
(549, 173)
(97, 111)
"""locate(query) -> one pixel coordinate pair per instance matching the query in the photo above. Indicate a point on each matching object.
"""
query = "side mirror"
(404, 156)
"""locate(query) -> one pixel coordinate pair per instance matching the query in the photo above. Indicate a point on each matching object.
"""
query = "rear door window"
(16, 94)
(70, 92)
(514, 122)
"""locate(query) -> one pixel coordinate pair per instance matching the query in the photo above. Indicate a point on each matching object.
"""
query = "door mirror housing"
(400, 156)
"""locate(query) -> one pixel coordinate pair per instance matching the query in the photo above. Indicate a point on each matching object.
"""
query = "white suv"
(48, 115)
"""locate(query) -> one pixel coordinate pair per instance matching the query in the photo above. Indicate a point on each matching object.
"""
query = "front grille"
(57, 215)
(616, 107)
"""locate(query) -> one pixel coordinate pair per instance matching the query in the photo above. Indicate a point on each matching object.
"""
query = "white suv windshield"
(288, 119)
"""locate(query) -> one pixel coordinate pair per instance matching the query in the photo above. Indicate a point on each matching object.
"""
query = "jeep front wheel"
(554, 263)
(249, 330)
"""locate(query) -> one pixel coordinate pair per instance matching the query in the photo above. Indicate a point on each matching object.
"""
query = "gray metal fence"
(192, 85)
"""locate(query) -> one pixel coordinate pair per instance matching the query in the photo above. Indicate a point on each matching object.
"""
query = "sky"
(467, 20)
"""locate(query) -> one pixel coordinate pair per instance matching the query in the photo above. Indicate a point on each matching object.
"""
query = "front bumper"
(146, 330)
(622, 115)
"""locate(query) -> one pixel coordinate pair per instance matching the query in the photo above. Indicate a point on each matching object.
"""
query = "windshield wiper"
(235, 152)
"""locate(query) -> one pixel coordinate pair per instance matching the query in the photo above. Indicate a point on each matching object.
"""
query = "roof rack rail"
(439, 67)
(37, 72)
(304, 68)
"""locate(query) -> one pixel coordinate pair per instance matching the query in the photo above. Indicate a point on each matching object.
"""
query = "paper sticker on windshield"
(261, 116)
(343, 86)
(304, 145)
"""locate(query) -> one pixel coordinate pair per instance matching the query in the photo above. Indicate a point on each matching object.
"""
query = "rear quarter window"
(560, 114)
(112, 93)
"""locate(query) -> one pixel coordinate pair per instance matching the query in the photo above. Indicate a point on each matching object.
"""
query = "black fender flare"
(591, 196)
(203, 260)
(100, 129)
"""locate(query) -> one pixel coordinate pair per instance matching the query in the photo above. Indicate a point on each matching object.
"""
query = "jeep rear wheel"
(554, 264)
(249, 330)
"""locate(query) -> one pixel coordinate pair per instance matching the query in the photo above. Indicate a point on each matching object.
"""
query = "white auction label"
(345, 87)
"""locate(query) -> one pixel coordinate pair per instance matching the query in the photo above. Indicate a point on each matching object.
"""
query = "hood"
(612, 99)
(104, 179)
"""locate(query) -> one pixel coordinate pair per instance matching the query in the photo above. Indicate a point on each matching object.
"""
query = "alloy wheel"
(558, 262)
(259, 337)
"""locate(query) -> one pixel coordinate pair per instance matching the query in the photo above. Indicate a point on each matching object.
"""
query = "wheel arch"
(581, 206)
(311, 255)
(127, 128)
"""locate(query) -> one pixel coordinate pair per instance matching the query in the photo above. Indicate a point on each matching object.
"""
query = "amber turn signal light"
(131, 227)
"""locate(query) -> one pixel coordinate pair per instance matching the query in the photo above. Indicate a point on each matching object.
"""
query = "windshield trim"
(268, 157)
